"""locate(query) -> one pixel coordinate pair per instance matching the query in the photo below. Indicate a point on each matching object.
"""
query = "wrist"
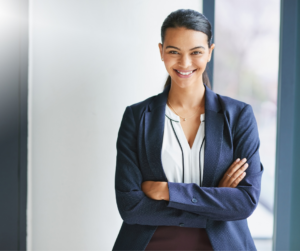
(165, 191)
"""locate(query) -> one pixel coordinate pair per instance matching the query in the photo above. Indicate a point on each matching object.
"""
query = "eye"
(197, 52)
(173, 52)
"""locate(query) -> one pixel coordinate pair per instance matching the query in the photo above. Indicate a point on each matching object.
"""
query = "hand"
(156, 190)
(234, 174)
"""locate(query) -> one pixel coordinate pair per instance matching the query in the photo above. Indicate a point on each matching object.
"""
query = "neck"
(188, 97)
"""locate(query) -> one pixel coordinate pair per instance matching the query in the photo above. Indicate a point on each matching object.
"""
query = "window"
(246, 68)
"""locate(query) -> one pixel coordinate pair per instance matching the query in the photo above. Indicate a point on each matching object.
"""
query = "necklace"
(184, 118)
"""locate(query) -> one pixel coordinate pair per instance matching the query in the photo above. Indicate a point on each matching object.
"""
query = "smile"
(184, 73)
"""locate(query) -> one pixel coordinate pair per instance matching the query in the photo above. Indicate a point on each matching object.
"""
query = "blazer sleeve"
(133, 205)
(223, 203)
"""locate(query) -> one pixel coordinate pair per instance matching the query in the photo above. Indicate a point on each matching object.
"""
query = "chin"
(184, 83)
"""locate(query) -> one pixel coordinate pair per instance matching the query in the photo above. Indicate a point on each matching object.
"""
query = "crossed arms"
(170, 203)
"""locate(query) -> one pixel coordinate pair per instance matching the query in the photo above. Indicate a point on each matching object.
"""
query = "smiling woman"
(183, 155)
(185, 61)
(200, 54)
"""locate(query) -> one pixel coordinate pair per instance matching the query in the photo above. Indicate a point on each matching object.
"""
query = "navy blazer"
(230, 133)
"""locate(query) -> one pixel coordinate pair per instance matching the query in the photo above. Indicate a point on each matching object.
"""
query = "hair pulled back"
(192, 20)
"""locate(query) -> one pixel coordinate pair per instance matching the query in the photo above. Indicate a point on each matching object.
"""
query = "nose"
(185, 61)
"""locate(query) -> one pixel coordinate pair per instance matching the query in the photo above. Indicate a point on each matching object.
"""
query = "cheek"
(169, 64)
(169, 61)
(200, 62)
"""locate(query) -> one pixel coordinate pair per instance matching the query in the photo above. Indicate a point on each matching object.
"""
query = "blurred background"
(87, 61)
(246, 68)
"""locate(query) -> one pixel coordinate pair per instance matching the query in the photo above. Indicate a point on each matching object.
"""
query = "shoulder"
(138, 108)
(231, 105)
(237, 113)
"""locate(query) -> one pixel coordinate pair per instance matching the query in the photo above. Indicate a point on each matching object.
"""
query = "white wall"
(89, 59)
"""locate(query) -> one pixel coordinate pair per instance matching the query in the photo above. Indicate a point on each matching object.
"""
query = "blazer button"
(181, 224)
(194, 200)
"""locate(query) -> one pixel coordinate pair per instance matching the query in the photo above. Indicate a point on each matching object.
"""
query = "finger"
(236, 166)
(239, 171)
(227, 176)
(235, 170)
(238, 180)
(234, 163)
(237, 175)
(233, 167)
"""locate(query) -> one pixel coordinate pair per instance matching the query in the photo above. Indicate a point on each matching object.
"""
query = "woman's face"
(185, 54)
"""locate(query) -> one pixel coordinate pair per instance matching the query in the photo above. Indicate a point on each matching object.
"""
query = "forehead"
(184, 38)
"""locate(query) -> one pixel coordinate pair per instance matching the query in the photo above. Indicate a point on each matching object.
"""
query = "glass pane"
(246, 68)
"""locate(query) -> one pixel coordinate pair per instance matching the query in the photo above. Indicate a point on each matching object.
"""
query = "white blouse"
(180, 162)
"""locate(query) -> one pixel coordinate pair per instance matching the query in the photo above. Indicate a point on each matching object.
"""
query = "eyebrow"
(197, 47)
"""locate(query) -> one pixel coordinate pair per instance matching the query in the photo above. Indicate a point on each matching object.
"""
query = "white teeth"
(185, 73)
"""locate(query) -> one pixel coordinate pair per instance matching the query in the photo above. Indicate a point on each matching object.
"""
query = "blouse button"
(194, 200)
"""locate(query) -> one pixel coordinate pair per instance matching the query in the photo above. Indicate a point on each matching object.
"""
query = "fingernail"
(238, 159)
(244, 173)
(244, 159)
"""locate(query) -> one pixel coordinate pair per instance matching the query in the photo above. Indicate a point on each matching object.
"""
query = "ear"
(210, 51)
(160, 46)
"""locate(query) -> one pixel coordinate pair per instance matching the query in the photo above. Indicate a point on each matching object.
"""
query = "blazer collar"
(154, 129)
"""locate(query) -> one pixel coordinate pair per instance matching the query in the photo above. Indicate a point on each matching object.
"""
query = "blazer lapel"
(154, 129)
(214, 124)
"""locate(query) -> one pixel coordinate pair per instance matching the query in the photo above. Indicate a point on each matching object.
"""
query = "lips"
(184, 73)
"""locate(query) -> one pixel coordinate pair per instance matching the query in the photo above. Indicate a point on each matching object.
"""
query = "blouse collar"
(171, 115)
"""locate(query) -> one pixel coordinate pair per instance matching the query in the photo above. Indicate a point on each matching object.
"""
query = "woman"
(188, 170)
